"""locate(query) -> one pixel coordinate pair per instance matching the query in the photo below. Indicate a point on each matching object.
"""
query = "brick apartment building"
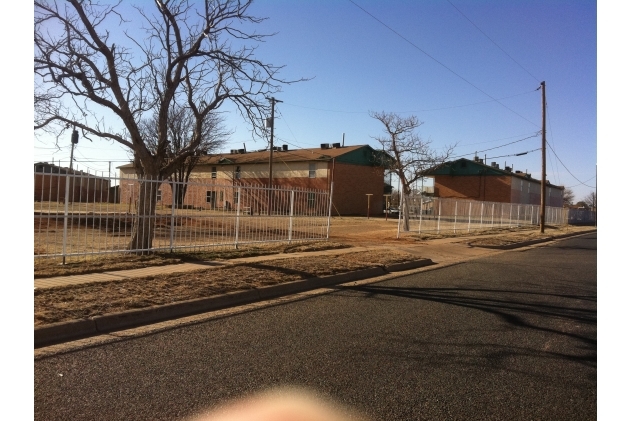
(473, 180)
(50, 185)
(355, 171)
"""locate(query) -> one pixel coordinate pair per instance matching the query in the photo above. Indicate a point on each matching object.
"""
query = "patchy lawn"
(87, 300)
(46, 268)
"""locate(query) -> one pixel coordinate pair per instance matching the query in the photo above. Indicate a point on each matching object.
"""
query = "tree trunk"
(405, 213)
(405, 208)
(180, 194)
(144, 221)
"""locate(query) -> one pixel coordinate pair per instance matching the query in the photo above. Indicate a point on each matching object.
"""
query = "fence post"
(420, 215)
(455, 216)
(481, 215)
(173, 193)
(469, 225)
(65, 239)
(439, 212)
(291, 213)
(328, 221)
(236, 227)
(492, 214)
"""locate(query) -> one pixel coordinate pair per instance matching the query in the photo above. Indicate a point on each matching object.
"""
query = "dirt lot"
(87, 300)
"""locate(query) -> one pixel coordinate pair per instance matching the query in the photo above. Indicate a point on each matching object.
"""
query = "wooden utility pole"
(271, 157)
(542, 211)
(271, 141)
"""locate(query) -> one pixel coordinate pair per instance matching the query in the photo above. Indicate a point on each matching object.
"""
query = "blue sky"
(468, 69)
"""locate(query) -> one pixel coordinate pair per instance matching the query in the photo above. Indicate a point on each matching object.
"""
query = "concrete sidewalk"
(181, 267)
(437, 253)
(442, 251)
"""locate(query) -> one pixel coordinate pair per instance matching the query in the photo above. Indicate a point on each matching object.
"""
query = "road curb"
(77, 329)
(532, 242)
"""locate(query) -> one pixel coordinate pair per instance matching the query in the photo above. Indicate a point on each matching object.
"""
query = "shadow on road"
(548, 313)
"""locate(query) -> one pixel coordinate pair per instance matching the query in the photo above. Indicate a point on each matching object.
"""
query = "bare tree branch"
(197, 55)
(412, 156)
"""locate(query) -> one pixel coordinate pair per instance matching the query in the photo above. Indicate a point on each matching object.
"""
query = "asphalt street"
(509, 336)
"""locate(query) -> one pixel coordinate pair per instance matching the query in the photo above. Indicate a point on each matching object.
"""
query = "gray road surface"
(508, 337)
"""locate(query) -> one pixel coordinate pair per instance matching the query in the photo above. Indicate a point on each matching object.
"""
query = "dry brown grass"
(46, 268)
(87, 300)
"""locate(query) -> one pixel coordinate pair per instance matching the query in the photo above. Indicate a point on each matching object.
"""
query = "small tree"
(180, 135)
(568, 197)
(170, 52)
(590, 200)
(411, 155)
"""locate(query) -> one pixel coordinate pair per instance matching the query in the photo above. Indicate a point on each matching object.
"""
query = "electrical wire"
(569, 172)
(555, 172)
(440, 63)
(515, 154)
(495, 43)
(290, 131)
(491, 141)
(500, 146)
(415, 111)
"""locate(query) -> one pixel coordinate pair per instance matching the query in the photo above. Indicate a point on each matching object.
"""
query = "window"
(311, 200)
(159, 195)
(211, 196)
(237, 173)
(221, 196)
(312, 170)
(213, 172)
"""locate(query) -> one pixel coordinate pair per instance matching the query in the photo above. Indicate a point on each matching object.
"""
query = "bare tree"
(181, 125)
(590, 200)
(411, 155)
(196, 54)
(568, 197)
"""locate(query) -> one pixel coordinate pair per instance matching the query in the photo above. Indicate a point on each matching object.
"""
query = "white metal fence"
(438, 215)
(82, 214)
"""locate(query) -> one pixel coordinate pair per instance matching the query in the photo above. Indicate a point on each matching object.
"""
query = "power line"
(290, 131)
(496, 140)
(552, 139)
(414, 111)
(489, 38)
(440, 63)
(569, 172)
(514, 154)
(501, 146)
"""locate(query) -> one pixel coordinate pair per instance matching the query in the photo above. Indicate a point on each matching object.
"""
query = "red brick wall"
(52, 187)
(351, 184)
(474, 187)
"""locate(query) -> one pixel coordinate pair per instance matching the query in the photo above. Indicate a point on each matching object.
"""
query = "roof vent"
(336, 145)
(285, 147)
(509, 169)
(324, 146)
(518, 172)
(234, 151)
